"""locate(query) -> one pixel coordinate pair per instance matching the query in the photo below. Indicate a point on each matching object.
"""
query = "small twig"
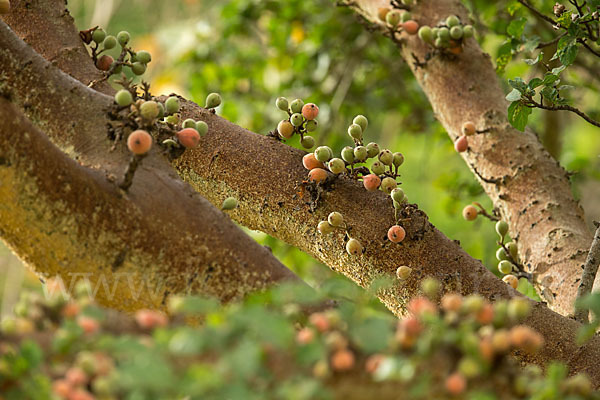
(541, 45)
(135, 161)
(537, 12)
(590, 269)
(587, 46)
(484, 213)
(533, 103)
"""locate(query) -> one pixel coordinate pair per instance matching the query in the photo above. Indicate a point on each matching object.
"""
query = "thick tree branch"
(534, 194)
(590, 270)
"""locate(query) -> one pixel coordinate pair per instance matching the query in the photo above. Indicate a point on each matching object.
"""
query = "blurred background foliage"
(253, 51)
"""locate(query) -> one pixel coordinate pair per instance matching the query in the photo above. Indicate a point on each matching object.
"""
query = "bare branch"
(588, 276)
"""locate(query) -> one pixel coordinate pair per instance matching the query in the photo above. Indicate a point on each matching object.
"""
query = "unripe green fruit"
(99, 35)
(325, 228)
(296, 119)
(501, 228)
(189, 123)
(172, 105)
(282, 103)
(360, 153)
(435, 32)
(518, 309)
(354, 247)
(378, 168)
(172, 119)
(513, 250)
(161, 111)
(505, 267)
(372, 150)
(431, 287)
(398, 159)
(355, 131)
(109, 42)
(501, 254)
(229, 203)
(143, 56)
(149, 110)
(456, 32)
(117, 68)
(296, 106)
(213, 100)
(473, 303)
(285, 129)
(311, 125)
(388, 184)
(468, 31)
(336, 165)
(308, 142)
(123, 38)
(393, 17)
(138, 68)
(386, 157)
(123, 98)
(8, 326)
(444, 34)
(452, 20)
(323, 153)
(439, 42)
(336, 219)
(348, 154)
(426, 34)
(202, 127)
(405, 16)
(397, 195)
(362, 121)
(397, 205)
(403, 272)
(469, 368)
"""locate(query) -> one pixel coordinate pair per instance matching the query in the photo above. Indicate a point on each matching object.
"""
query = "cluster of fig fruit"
(398, 20)
(301, 120)
(100, 42)
(462, 143)
(448, 35)
(508, 256)
(335, 220)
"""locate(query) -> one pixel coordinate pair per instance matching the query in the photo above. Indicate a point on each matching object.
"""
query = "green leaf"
(518, 114)
(516, 27)
(549, 79)
(531, 44)
(515, 95)
(518, 84)
(535, 82)
(534, 61)
(569, 54)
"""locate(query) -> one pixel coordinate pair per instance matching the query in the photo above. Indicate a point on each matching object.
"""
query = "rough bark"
(265, 176)
(63, 217)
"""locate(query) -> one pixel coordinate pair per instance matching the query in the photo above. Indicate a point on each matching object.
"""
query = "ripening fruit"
(371, 182)
(360, 153)
(461, 144)
(426, 34)
(354, 247)
(172, 105)
(470, 213)
(282, 103)
(336, 165)
(373, 362)
(323, 153)
(526, 339)
(511, 280)
(229, 204)
(149, 110)
(455, 384)
(104, 62)
(308, 142)
(296, 119)
(143, 56)
(451, 302)
(76, 376)
(317, 175)
(150, 319)
(393, 17)
(456, 32)
(468, 128)
(505, 267)
(372, 149)
(139, 142)
(310, 111)
(123, 37)
(502, 228)
(336, 219)
(382, 13)
(201, 127)
(468, 31)
(311, 126)
(123, 98)
(325, 228)
(411, 27)
(305, 336)
(378, 168)
(342, 360)
(348, 154)
(388, 184)
(386, 157)
(138, 68)
(296, 106)
(396, 234)
(397, 195)
(403, 272)
(501, 254)
(361, 121)
(109, 42)
(188, 137)
(60, 387)
(310, 162)
(213, 100)
(398, 159)
(355, 131)
(285, 129)
(89, 325)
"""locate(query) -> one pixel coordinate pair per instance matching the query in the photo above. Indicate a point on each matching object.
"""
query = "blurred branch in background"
(12, 275)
